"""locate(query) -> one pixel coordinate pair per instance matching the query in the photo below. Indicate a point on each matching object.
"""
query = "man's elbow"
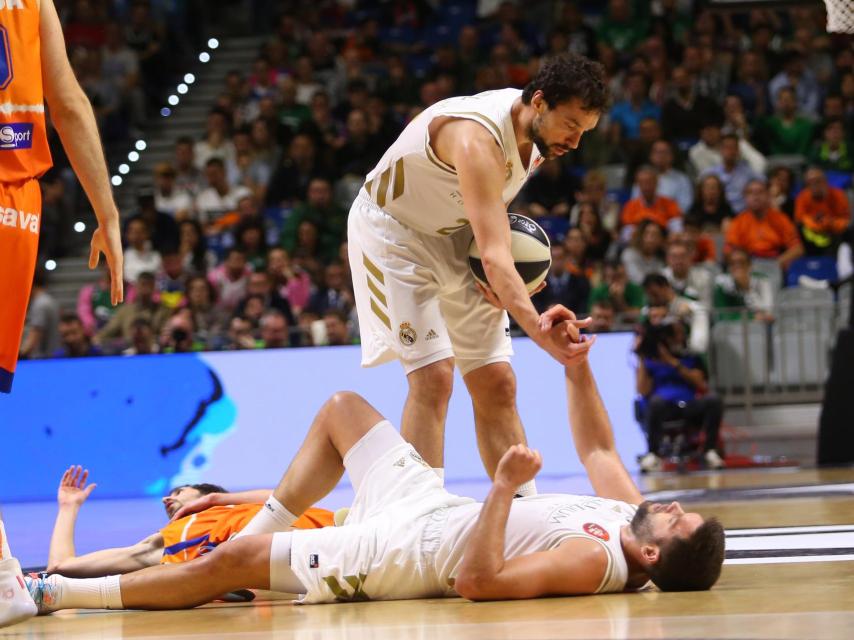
(471, 587)
(68, 105)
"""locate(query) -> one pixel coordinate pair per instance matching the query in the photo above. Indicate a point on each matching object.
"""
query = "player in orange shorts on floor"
(34, 67)
(183, 539)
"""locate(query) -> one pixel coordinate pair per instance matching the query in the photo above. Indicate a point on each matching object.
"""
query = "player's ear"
(650, 552)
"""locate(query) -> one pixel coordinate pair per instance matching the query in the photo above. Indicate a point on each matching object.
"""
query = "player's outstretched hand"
(518, 465)
(107, 240)
(199, 504)
(73, 489)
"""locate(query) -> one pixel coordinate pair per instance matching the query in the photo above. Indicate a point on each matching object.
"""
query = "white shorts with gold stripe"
(416, 298)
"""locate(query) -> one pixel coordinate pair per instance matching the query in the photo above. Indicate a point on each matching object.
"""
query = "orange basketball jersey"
(200, 533)
(24, 151)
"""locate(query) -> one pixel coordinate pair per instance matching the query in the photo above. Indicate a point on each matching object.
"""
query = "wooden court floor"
(796, 599)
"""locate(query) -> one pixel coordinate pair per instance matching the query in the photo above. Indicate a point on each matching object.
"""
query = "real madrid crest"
(407, 334)
(509, 170)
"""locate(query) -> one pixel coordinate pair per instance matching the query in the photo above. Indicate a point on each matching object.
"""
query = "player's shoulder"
(586, 560)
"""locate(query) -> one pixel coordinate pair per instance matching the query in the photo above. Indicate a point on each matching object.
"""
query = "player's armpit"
(576, 567)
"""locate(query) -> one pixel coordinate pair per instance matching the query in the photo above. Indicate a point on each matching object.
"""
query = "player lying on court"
(406, 537)
(181, 540)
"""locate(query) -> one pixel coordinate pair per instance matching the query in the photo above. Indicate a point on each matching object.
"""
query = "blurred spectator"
(142, 340)
(193, 247)
(145, 35)
(786, 132)
(250, 236)
(54, 237)
(692, 314)
(672, 183)
(336, 292)
(219, 197)
(647, 205)
(735, 119)
(171, 280)
(687, 280)
(139, 256)
(751, 84)
(162, 228)
(762, 231)
(94, 308)
(360, 151)
(169, 198)
(626, 116)
(178, 334)
(593, 190)
(711, 205)
(821, 213)
(562, 286)
(240, 335)
(604, 317)
(292, 283)
(781, 183)
(734, 172)
(621, 28)
(645, 254)
(685, 112)
(549, 192)
(230, 280)
(41, 330)
(291, 178)
(833, 152)
(596, 239)
(120, 69)
(321, 210)
(802, 84)
(216, 142)
(706, 154)
(622, 294)
(578, 36)
(188, 177)
(120, 326)
(741, 288)
(700, 244)
(208, 320)
(261, 285)
(74, 343)
(274, 330)
(673, 384)
(576, 259)
(337, 333)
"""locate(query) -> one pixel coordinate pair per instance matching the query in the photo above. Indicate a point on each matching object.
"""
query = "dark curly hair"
(692, 564)
(570, 76)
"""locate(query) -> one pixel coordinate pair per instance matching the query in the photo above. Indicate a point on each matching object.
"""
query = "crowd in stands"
(723, 160)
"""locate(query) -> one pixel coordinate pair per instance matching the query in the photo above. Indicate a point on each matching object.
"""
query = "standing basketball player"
(33, 68)
(449, 177)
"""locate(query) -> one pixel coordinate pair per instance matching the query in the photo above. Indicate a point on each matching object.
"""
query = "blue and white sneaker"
(15, 603)
(44, 591)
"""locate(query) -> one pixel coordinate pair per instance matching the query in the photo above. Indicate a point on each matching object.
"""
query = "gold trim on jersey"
(379, 314)
(432, 157)
(382, 190)
(489, 122)
(398, 180)
(368, 185)
(376, 291)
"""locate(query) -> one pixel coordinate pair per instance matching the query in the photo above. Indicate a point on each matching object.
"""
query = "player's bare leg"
(423, 422)
(497, 422)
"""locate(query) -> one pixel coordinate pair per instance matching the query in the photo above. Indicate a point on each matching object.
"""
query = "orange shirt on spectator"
(662, 210)
(830, 215)
(769, 237)
(705, 249)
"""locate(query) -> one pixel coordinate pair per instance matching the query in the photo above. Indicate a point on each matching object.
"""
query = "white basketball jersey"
(543, 522)
(414, 186)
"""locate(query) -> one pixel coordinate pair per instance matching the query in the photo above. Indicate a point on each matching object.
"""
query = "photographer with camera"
(673, 384)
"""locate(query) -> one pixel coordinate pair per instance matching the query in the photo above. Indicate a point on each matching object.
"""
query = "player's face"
(658, 522)
(178, 497)
(557, 129)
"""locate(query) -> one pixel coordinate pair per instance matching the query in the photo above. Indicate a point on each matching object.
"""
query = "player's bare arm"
(474, 153)
(217, 499)
(62, 558)
(72, 115)
(576, 567)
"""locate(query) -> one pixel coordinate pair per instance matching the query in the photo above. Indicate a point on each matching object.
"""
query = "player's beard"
(534, 133)
(640, 522)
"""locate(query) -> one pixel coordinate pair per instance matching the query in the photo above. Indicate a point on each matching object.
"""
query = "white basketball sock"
(5, 551)
(84, 593)
(527, 489)
(273, 517)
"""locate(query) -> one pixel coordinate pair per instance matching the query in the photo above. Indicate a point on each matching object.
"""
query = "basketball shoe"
(16, 605)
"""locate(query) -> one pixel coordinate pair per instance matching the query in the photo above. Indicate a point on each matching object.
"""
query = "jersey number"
(5, 59)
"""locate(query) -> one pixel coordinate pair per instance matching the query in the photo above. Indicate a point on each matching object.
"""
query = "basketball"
(531, 251)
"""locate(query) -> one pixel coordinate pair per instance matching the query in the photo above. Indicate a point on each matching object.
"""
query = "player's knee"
(345, 402)
(496, 385)
(434, 382)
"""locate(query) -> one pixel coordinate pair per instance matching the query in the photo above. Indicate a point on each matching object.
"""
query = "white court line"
(777, 530)
(789, 559)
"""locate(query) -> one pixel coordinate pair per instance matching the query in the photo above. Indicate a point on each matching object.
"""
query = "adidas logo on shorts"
(431, 335)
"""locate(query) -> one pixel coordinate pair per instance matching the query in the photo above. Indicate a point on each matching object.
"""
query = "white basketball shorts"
(416, 297)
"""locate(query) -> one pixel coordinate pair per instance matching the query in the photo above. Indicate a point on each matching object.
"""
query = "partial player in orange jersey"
(181, 540)
(34, 69)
